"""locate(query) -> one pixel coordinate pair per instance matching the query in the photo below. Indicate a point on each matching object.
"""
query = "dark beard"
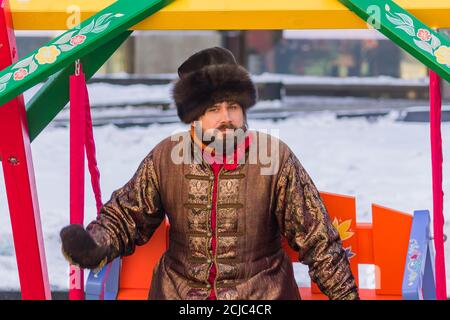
(225, 145)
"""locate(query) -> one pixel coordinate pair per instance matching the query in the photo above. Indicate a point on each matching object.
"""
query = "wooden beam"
(54, 95)
(408, 32)
(74, 44)
(223, 14)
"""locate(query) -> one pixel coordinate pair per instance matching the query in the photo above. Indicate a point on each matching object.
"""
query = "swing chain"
(77, 67)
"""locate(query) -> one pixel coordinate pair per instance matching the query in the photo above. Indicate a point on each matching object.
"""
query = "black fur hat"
(209, 76)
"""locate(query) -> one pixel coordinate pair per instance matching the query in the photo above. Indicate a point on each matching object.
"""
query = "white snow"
(288, 79)
(385, 162)
(105, 94)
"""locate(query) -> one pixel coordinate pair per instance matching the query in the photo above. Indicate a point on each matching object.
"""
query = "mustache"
(226, 126)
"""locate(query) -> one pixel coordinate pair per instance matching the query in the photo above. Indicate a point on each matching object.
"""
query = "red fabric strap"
(91, 155)
(81, 140)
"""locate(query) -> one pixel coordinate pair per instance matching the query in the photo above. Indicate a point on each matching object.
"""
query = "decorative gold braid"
(100, 266)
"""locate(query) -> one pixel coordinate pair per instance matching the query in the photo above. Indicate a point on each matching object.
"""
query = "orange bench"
(383, 243)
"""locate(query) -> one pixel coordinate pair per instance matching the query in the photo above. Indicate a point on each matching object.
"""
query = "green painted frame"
(92, 33)
(54, 94)
(428, 46)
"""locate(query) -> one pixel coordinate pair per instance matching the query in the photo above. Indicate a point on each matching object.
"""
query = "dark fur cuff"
(80, 249)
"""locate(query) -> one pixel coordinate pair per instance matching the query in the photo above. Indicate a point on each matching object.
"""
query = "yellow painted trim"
(225, 14)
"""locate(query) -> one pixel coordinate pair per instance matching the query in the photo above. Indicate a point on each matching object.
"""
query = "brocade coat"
(251, 213)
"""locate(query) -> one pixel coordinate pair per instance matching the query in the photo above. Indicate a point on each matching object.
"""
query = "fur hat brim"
(196, 91)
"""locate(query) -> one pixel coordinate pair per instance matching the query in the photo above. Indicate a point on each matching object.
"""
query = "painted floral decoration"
(424, 34)
(20, 74)
(47, 54)
(345, 233)
(443, 55)
(50, 54)
(78, 39)
(424, 39)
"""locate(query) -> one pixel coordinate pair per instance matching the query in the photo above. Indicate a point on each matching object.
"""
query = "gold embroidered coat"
(253, 212)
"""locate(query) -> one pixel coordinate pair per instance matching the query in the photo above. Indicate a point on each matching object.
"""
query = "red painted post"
(438, 194)
(15, 153)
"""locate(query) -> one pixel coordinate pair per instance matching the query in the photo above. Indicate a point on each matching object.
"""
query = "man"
(227, 215)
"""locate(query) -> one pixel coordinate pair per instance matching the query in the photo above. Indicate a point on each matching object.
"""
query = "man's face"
(222, 116)
(221, 120)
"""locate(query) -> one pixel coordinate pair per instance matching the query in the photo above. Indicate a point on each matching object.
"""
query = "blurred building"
(164, 51)
(336, 53)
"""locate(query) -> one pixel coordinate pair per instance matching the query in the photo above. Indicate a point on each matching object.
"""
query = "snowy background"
(385, 162)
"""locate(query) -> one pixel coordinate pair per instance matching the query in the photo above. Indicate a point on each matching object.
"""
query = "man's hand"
(80, 249)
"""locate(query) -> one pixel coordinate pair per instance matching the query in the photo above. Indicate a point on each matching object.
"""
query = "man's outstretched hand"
(80, 249)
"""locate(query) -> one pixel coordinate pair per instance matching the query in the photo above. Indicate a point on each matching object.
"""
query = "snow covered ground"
(385, 162)
(104, 94)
